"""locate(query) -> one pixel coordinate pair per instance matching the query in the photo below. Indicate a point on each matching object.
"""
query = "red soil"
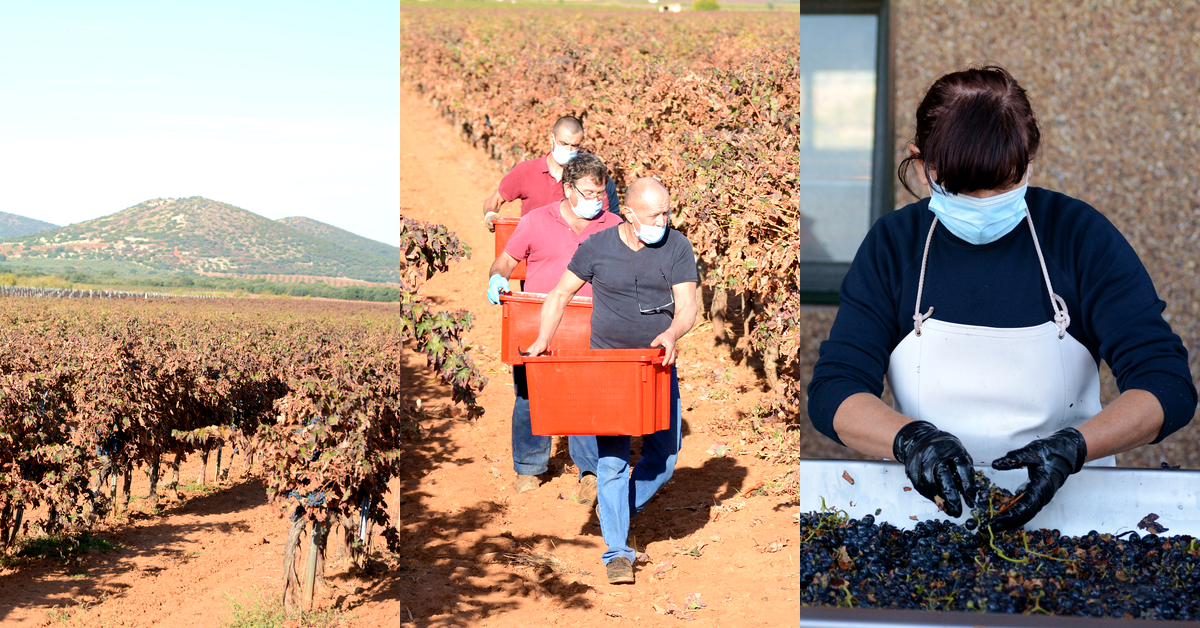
(183, 567)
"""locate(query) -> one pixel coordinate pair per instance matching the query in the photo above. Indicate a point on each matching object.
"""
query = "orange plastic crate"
(522, 313)
(505, 226)
(605, 392)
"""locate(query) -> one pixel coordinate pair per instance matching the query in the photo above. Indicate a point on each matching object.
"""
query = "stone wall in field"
(1116, 87)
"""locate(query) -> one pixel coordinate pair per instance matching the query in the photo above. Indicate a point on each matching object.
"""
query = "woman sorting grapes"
(988, 307)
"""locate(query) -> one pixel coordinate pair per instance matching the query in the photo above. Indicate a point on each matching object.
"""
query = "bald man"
(538, 181)
(644, 278)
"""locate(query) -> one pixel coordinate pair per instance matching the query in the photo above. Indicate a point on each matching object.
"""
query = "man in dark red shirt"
(538, 181)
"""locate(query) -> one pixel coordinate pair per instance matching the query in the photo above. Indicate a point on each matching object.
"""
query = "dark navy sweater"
(1115, 311)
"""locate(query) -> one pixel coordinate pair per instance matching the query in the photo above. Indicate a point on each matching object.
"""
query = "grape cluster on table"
(945, 566)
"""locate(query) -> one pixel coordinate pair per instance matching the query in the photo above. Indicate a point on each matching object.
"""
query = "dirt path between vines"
(720, 546)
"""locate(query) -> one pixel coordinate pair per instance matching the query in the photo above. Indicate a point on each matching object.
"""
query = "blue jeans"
(531, 454)
(622, 496)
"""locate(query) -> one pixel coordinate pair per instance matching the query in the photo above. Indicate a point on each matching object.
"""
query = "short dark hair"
(976, 130)
(570, 124)
(585, 165)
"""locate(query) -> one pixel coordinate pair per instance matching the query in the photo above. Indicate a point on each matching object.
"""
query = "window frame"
(820, 281)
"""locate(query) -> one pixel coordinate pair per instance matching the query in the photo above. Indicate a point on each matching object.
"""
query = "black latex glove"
(937, 464)
(1049, 460)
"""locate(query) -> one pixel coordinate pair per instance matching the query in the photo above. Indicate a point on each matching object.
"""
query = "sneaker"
(620, 571)
(587, 490)
(526, 483)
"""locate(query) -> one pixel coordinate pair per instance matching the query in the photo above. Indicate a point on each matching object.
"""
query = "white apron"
(996, 389)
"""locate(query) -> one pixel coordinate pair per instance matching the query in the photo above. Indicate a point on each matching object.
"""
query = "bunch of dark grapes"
(941, 565)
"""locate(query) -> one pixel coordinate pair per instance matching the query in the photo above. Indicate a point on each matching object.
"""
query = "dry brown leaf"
(1150, 524)
(843, 559)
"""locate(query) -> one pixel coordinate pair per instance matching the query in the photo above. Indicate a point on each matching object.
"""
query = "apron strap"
(1061, 317)
(919, 318)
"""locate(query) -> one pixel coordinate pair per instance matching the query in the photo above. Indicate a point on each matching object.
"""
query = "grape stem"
(1025, 542)
(1037, 605)
(849, 599)
(992, 542)
(840, 515)
(1029, 551)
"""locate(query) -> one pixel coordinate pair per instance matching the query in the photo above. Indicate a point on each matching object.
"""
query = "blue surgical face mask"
(649, 233)
(978, 220)
(586, 209)
(562, 154)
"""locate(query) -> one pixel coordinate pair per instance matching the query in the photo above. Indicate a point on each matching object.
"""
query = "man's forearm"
(551, 315)
(503, 266)
(684, 321)
(493, 203)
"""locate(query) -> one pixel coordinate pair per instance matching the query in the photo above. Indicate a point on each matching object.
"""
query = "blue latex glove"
(496, 285)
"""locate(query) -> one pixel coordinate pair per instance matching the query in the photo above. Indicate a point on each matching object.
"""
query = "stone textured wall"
(1116, 87)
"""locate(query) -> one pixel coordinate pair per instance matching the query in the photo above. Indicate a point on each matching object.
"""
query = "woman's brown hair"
(976, 130)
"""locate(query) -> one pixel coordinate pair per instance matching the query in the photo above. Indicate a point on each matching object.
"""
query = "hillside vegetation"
(12, 225)
(342, 237)
(198, 235)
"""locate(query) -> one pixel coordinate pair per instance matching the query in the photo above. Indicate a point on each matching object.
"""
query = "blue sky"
(280, 108)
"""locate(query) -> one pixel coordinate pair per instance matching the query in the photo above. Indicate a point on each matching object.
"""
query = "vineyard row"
(74, 293)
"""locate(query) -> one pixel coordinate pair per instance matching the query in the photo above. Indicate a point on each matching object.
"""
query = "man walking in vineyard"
(537, 182)
(546, 238)
(644, 280)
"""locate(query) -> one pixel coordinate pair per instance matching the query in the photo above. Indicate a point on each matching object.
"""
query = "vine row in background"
(76, 293)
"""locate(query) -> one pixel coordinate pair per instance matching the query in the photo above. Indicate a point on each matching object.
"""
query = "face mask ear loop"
(919, 318)
(1061, 317)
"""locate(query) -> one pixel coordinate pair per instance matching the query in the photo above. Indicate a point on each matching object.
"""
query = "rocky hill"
(202, 236)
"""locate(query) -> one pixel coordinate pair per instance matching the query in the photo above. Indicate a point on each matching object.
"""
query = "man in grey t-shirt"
(644, 278)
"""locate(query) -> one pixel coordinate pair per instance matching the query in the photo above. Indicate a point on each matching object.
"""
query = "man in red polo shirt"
(546, 238)
(538, 181)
